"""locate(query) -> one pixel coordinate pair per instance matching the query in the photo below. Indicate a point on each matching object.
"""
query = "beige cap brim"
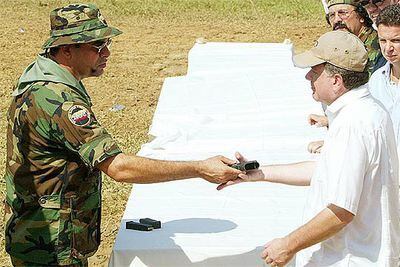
(306, 60)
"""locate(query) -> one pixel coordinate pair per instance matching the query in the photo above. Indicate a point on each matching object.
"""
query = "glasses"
(342, 13)
(367, 3)
(99, 45)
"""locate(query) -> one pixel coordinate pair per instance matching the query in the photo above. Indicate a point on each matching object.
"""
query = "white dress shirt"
(357, 171)
(388, 93)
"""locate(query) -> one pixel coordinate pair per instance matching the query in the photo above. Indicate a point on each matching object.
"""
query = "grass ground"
(157, 37)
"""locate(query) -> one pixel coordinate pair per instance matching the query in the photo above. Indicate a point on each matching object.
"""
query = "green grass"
(196, 9)
(246, 8)
(226, 8)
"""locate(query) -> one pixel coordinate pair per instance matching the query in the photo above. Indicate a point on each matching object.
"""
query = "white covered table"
(261, 111)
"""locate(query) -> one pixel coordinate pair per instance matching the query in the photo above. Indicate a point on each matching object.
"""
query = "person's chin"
(98, 72)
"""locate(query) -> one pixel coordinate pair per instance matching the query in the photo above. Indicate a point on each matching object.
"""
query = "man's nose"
(371, 8)
(336, 19)
(389, 46)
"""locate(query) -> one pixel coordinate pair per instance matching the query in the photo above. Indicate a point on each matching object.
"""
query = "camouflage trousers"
(19, 263)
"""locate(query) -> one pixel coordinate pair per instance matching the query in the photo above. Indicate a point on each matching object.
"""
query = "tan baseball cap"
(340, 48)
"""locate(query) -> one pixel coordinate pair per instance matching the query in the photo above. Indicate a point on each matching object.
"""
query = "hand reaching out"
(216, 170)
(249, 176)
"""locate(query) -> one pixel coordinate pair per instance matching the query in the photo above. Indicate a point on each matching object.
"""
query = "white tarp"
(229, 58)
(236, 97)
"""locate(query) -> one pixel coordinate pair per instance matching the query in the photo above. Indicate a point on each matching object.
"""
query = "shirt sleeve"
(346, 163)
(77, 128)
(65, 120)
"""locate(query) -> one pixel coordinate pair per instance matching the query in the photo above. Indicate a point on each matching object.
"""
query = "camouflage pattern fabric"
(19, 263)
(78, 23)
(370, 38)
(53, 200)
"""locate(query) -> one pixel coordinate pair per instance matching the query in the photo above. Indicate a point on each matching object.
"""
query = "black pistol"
(246, 165)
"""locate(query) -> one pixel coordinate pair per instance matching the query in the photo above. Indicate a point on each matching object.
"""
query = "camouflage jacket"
(370, 38)
(54, 143)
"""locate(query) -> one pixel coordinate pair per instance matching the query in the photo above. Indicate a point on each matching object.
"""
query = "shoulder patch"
(79, 115)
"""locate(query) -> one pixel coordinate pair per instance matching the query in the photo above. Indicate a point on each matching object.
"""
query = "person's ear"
(66, 51)
(337, 83)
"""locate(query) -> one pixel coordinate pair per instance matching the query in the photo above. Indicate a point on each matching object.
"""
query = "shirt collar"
(47, 70)
(365, 33)
(386, 70)
(348, 97)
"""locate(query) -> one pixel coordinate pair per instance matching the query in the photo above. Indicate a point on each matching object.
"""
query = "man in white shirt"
(352, 211)
(384, 83)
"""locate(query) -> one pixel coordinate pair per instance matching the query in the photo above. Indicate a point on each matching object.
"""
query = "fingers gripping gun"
(246, 165)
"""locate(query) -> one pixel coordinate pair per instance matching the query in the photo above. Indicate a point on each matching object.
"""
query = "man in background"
(384, 83)
(374, 7)
(350, 16)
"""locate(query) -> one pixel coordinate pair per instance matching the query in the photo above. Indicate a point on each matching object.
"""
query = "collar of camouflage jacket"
(46, 70)
(365, 32)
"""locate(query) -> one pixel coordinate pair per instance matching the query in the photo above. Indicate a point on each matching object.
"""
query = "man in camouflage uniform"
(56, 148)
(350, 15)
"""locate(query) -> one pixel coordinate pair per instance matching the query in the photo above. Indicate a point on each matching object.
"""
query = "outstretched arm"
(135, 169)
(292, 174)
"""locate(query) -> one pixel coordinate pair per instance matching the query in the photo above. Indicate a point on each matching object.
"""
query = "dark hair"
(389, 16)
(52, 51)
(351, 79)
(362, 12)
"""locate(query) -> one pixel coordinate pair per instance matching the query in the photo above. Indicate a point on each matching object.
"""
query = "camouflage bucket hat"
(77, 24)
(347, 2)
